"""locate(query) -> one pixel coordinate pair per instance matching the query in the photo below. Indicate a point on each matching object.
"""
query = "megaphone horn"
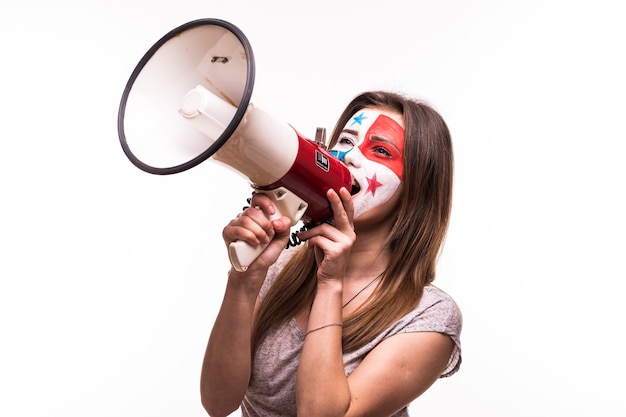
(188, 100)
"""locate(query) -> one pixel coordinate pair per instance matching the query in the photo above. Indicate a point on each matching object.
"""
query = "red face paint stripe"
(389, 129)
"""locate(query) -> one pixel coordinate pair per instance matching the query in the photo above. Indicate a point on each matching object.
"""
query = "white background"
(111, 277)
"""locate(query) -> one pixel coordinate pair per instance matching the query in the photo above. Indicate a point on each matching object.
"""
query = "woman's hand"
(255, 228)
(333, 243)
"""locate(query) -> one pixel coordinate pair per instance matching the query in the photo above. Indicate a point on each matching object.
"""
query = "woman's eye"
(346, 141)
(382, 151)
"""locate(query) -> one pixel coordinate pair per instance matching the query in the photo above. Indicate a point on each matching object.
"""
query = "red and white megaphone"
(188, 100)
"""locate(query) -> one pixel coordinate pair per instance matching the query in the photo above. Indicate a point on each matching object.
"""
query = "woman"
(349, 324)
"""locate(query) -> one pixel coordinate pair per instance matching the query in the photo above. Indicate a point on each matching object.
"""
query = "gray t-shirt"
(272, 389)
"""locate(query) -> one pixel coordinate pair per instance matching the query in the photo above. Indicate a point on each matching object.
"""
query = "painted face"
(372, 146)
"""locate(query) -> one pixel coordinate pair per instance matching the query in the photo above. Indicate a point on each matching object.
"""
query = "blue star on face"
(358, 119)
(341, 155)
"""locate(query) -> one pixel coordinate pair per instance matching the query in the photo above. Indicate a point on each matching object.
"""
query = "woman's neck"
(369, 256)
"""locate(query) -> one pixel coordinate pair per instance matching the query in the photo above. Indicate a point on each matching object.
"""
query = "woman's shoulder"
(435, 296)
(436, 311)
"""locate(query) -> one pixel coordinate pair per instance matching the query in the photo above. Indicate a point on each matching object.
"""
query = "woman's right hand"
(254, 227)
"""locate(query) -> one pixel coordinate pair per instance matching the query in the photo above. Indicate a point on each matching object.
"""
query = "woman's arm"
(321, 385)
(227, 361)
(397, 371)
(393, 374)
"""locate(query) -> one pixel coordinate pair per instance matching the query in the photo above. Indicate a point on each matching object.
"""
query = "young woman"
(349, 324)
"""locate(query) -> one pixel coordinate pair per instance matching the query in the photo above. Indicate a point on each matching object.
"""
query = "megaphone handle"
(242, 254)
(286, 203)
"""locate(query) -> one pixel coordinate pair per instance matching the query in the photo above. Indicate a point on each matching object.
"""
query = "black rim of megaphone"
(230, 129)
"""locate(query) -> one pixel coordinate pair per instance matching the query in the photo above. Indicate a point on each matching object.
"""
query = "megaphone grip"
(286, 203)
(242, 254)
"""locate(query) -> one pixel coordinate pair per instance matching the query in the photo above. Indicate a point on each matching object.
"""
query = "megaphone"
(188, 100)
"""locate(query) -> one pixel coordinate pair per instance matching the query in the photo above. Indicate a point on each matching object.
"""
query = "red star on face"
(372, 185)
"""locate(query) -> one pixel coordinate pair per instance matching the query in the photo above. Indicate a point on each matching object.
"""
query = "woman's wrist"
(247, 284)
(327, 305)
(330, 285)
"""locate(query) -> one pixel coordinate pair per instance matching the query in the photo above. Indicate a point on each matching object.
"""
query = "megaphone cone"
(210, 53)
(188, 100)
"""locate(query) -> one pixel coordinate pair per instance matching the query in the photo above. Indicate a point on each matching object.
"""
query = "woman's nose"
(353, 157)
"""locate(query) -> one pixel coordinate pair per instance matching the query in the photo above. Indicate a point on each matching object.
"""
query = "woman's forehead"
(367, 118)
(367, 115)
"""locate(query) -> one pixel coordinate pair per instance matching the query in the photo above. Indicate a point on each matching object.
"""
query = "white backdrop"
(111, 277)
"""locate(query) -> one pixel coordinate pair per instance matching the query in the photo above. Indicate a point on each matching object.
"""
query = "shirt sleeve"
(437, 312)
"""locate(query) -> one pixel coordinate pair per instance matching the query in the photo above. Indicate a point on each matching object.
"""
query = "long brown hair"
(418, 230)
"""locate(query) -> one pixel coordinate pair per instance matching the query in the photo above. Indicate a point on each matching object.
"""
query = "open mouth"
(355, 187)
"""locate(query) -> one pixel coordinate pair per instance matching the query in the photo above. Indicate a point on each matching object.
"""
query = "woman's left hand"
(333, 243)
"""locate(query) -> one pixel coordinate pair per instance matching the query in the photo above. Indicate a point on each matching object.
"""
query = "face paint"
(372, 146)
